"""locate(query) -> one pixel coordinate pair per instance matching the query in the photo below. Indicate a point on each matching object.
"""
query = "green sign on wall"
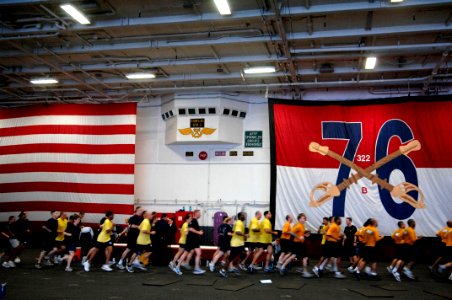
(253, 139)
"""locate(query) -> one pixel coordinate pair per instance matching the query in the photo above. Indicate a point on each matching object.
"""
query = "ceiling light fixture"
(75, 14)
(223, 7)
(140, 76)
(396, 1)
(371, 61)
(259, 70)
(45, 80)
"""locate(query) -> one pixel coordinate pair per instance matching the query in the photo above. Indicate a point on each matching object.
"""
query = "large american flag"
(69, 157)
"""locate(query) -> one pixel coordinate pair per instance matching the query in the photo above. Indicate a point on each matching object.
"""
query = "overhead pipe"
(370, 48)
(32, 36)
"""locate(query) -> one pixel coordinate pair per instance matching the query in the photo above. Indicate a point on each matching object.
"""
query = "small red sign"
(202, 155)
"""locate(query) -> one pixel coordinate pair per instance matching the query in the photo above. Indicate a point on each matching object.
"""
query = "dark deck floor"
(25, 282)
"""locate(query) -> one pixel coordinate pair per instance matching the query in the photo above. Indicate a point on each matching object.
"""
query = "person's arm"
(198, 232)
(330, 234)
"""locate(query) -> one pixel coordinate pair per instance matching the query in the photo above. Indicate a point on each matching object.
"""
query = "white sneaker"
(397, 276)
(11, 264)
(307, 275)
(177, 271)
(68, 269)
(389, 269)
(199, 271)
(211, 267)
(367, 270)
(84, 258)
(339, 275)
(139, 267)
(186, 266)
(17, 260)
(86, 266)
(408, 273)
(5, 265)
(450, 277)
(106, 268)
(350, 270)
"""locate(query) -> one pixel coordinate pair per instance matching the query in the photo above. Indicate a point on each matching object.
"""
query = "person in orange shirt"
(445, 234)
(447, 254)
(399, 240)
(299, 233)
(369, 254)
(332, 248)
(286, 247)
(407, 259)
(359, 246)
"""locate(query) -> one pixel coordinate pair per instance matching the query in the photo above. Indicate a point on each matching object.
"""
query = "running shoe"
(17, 260)
(339, 275)
(350, 270)
(307, 275)
(198, 271)
(186, 266)
(48, 263)
(177, 271)
(211, 267)
(397, 276)
(223, 273)
(120, 266)
(408, 273)
(86, 266)
(5, 265)
(282, 272)
(243, 267)
(139, 266)
(389, 269)
(106, 268)
(129, 269)
(257, 267)
(68, 269)
(268, 270)
(316, 272)
(11, 264)
(38, 266)
(171, 265)
(250, 269)
(234, 270)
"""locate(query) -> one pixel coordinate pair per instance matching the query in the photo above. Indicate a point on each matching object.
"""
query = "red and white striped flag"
(69, 157)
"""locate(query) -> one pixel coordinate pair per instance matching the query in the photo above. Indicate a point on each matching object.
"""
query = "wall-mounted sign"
(197, 129)
(202, 155)
(220, 153)
(248, 153)
(253, 139)
(197, 123)
(232, 153)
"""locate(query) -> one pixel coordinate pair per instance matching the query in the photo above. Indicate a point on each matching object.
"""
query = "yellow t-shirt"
(398, 236)
(62, 225)
(105, 236)
(360, 234)
(265, 238)
(285, 233)
(299, 230)
(183, 233)
(334, 233)
(410, 236)
(324, 229)
(254, 236)
(446, 236)
(144, 238)
(238, 240)
(372, 236)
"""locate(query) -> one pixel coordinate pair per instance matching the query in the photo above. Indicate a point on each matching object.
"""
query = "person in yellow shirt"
(299, 233)
(285, 242)
(182, 241)
(409, 259)
(369, 253)
(254, 231)
(104, 242)
(359, 246)
(399, 241)
(445, 234)
(237, 241)
(144, 244)
(59, 239)
(265, 243)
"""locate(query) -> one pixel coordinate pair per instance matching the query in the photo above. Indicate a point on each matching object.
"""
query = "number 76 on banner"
(386, 163)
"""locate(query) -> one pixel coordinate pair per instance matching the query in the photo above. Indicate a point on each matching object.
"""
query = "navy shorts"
(102, 246)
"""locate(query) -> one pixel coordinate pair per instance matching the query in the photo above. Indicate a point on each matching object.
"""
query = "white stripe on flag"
(69, 120)
(67, 177)
(68, 158)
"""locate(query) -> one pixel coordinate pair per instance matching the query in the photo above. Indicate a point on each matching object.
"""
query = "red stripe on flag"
(68, 148)
(68, 129)
(66, 206)
(68, 168)
(67, 187)
(70, 109)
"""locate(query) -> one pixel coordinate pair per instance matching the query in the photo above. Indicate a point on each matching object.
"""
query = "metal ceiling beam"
(291, 11)
(296, 36)
(238, 76)
(435, 70)
(415, 47)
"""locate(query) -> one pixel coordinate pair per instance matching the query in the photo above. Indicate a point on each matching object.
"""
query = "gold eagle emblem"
(197, 132)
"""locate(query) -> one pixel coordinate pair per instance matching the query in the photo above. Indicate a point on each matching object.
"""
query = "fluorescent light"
(75, 14)
(396, 1)
(259, 70)
(223, 7)
(370, 63)
(44, 81)
(140, 76)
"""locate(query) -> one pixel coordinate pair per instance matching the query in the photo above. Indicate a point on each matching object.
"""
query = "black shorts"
(349, 250)
(286, 245)
(191, 246)
(323, 249)
(359, 248)
(332, 249)
(143, 248)
(236, 252)
(102, 246)
(132, 242)
(262, 245)
(251, 246)
(369, 254)
(59, 244)
(225, 246)
(399, 250)
(299, 249)
(407, 253)
(47, 244)
(182, 246)
(447, 256)
(71, 247)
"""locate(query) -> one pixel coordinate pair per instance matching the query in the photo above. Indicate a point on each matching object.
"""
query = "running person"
(132, 234)
(50, 233)
(369, 253)
(59, 245)
(143, 244)
(399, 240)
(286, 244)
(265, 243)
(237, 241)
(182, 242)
(72, 234)
(444, 234)
(349, 242)
(409, 259)
(251, 243)
(104, 242)
(224, 245)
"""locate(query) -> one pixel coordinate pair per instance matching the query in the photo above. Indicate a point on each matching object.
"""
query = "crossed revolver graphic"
(399, 191)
